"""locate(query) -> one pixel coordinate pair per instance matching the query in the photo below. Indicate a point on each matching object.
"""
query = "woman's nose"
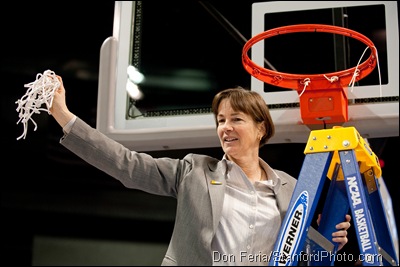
(227, 126)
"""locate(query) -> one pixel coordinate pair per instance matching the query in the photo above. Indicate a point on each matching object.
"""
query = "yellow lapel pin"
(215, 182)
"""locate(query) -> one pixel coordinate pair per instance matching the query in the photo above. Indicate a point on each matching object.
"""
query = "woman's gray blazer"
(199, 202)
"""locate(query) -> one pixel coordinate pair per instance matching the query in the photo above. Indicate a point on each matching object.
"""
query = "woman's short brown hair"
(248, 102)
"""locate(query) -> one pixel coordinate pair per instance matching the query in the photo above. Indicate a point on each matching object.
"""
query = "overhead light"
(133, 90)
(135, 75)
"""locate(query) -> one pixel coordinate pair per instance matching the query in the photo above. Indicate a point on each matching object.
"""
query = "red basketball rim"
(318, 81)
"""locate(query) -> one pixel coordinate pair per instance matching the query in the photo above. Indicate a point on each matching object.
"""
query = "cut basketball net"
(40, 93)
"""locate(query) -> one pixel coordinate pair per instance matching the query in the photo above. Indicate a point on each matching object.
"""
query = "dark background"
(47, 191)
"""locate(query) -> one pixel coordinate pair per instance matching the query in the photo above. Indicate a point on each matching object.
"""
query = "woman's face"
(239, 135)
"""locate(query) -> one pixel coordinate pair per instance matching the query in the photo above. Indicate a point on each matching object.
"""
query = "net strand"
(306, 82)
(40, 93)
(356, 73)
(379, 71)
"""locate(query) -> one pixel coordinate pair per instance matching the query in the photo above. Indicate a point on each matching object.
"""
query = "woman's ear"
(261, 129)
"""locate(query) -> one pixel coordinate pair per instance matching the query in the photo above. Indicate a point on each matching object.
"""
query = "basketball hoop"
(323, 97)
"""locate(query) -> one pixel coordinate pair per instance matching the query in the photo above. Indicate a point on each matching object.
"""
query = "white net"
(38, 97)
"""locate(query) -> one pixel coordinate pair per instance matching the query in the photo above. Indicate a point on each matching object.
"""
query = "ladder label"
(363, 229)
(354, 191)
(361, 221)
(292, 230)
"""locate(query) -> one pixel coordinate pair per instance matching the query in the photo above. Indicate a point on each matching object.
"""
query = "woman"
(229, 209)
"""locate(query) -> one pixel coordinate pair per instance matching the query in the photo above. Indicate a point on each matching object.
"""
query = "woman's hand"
(59, 109)
(340, 236)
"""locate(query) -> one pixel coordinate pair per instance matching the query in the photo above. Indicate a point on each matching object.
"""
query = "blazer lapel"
(216, 181)
(283, 198)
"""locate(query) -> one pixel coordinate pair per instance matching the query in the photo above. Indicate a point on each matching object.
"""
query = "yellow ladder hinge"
(343, 138)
